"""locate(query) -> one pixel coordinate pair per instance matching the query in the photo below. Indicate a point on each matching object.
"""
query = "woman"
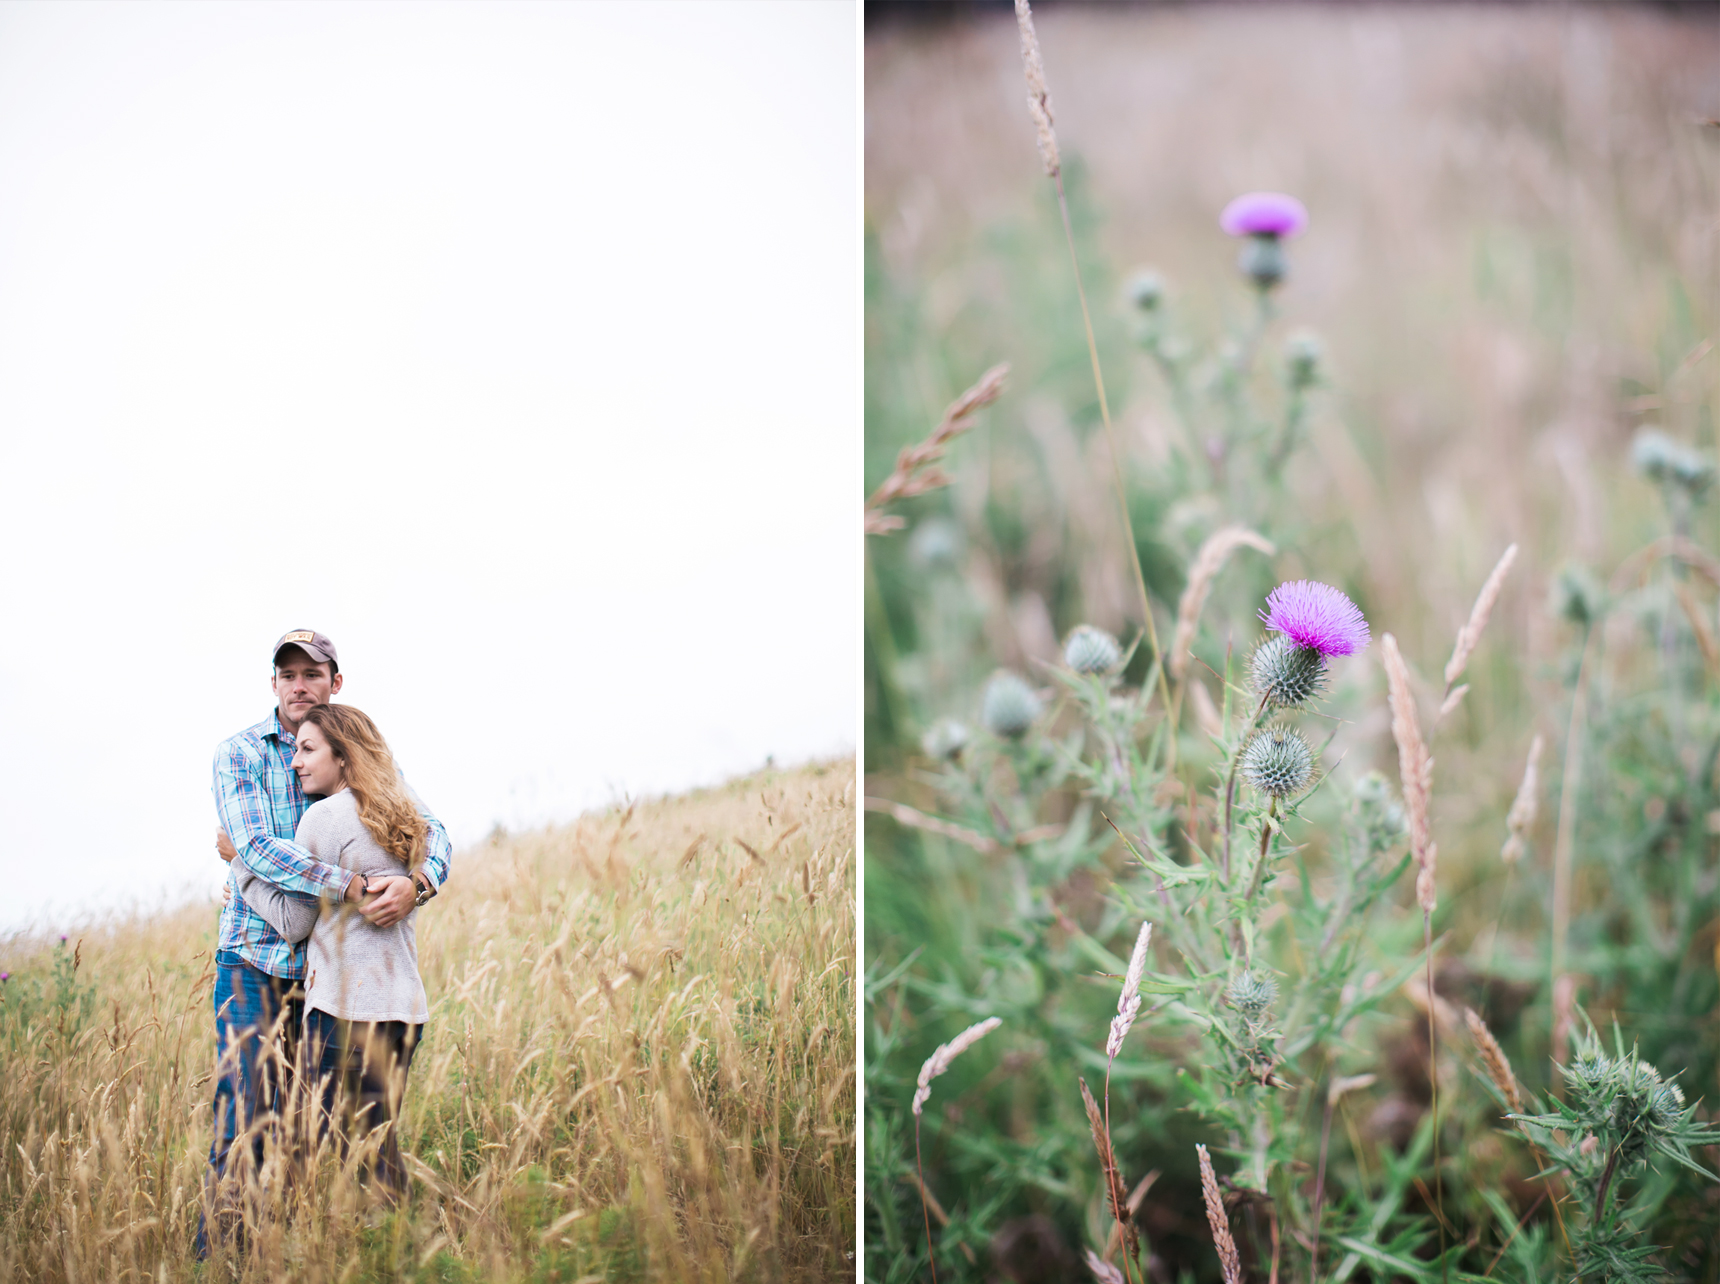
(364, 1001)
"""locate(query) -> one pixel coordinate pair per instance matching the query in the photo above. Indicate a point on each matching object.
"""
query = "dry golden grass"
(639, 1064)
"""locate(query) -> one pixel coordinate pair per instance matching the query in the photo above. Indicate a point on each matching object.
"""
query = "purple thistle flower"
(5, 976)
(1264, 214)
(1316, 616)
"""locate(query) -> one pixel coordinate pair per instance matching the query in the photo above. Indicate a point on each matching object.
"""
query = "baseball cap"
(316, 645)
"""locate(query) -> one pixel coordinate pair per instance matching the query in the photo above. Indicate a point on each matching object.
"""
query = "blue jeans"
(360, 1068)
(257, 1020)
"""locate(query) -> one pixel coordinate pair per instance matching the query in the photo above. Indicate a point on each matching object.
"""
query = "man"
(258, 1003)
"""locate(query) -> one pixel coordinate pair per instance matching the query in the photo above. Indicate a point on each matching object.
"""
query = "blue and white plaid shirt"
(259, 802)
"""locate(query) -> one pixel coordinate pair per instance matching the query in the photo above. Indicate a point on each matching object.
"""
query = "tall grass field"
(639, 1064)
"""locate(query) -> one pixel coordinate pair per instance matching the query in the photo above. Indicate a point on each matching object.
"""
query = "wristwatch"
(426, 889)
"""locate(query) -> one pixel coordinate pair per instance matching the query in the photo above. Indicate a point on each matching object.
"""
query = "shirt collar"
(271, 726)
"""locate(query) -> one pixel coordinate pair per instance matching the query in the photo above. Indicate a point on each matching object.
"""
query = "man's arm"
(438, 851)
(243, 807)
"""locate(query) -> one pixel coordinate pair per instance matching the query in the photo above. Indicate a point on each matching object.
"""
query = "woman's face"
(319, 770)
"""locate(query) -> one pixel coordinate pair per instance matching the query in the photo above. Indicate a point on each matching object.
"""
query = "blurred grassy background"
(1512, 265)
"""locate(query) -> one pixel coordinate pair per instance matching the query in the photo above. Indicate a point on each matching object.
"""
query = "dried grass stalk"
(1470, 633)
(1415, 767)
(1038, 96)
(1347, 1084)
(1207, 564)
(1228, 1259)
(1521, 818)
(940, 1060)
(1107, 1162)
(1493, 1057)
(1129, 1003)
(913, 474)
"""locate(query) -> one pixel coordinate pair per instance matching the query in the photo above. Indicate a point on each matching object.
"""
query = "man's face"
(300, 683)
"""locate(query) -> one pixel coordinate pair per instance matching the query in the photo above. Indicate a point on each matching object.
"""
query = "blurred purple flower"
(5, 976)
(62, 938)
(1316, 616)
(1264, 214)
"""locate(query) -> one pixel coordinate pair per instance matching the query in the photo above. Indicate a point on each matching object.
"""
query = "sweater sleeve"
(289, 915)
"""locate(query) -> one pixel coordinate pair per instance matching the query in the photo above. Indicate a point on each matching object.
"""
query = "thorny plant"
(1271, 935)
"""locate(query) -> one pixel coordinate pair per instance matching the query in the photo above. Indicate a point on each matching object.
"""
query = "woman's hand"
(224, 845)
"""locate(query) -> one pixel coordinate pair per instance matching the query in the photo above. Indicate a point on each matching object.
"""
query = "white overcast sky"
(515, 347)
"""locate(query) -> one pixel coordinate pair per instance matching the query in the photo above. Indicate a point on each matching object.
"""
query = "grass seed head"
(1228, 1259)
(940, 1060)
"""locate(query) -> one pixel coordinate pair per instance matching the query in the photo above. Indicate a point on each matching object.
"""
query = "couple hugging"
(316, 977)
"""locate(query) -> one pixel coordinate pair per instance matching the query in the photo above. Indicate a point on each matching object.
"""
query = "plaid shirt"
(259, 802)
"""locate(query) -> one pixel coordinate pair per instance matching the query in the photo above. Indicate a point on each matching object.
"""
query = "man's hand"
(224, 845)
(394, 900)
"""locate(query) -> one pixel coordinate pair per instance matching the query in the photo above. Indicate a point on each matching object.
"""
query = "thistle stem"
(1320, 1185)
(1606, 1181)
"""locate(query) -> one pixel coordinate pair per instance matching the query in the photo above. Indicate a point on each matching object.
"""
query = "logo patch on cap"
(301, 636)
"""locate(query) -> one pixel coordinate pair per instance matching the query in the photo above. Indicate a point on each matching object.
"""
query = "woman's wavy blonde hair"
(383, 805)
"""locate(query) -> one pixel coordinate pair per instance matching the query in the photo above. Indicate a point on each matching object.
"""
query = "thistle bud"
(1010, 705)
(1381, 815)
(1091, 651)
(1666, 1105)
(1589, 1074)
(1302, 359)
(1667, 462)
(1147, 290)
(1278, 761)
(1251, 995)
(945, 739)
(936, 543)
(1575, 596)
(1287, 674)
(1262, 260)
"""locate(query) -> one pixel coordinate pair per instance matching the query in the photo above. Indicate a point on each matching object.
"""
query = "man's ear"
(334, 686)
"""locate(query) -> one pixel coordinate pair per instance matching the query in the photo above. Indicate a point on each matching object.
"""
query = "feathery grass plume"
(1415, 767)
(1103, 1271)
(912, 475)
(1038, 96)
(1521, 817)
(1493, 1057)
(940, 1060)
(1129, 1003)
(1228, 1259)
(1208, 562)
(1470, 633)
